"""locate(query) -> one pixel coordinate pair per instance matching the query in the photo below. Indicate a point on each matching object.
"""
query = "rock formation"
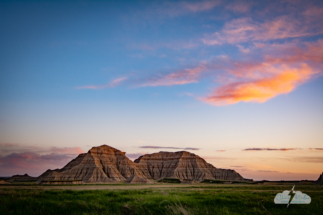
(105, 164)
(320, 180)
(3, 182)
(182, 165)
(101, 164)
(20, 178)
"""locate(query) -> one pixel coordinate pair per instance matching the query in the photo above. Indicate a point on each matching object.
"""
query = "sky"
(238, 83)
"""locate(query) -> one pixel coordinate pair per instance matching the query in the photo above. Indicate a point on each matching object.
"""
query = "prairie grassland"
(170, 199)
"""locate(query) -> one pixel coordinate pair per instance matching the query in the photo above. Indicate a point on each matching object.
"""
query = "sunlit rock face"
(105, 164)
(182, 165)
(101, 164)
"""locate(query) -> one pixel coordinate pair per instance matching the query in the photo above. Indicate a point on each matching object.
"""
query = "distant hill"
(20, 178)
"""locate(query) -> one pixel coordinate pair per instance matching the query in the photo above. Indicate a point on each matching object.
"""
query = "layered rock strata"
(102, 164)
(182, 165)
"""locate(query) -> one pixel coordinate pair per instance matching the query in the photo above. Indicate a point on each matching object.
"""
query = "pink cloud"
(113, 83)
(34, 160)
(185, 76)
(243, 50)
(32, 163)
(248, 30)
(65, 150)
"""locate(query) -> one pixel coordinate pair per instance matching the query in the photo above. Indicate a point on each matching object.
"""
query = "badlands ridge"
(105, 164)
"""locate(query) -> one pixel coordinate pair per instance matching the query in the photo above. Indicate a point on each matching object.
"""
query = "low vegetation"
(186, 199)
(170, 180)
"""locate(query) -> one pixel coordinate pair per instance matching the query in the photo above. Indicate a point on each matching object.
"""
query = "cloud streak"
(270, 149)
(112, 84)
(185, 76)
(247, 30)
(165, 147)
(174, 9)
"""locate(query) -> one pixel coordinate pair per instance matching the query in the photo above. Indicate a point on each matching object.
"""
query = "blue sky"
(218, 76)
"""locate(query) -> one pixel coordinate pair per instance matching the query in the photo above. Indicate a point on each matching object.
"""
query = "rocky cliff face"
(101, 164)
(105, 164)
(182, 165)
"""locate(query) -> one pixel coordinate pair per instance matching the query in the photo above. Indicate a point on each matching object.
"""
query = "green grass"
(204, 199)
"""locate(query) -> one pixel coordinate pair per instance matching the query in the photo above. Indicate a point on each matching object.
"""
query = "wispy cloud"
(174, 9)
(220, 150)
(239, 6)
(166, 147)
(243, 49)
(185, 76)
(200, 6)
(270, 149)
(247, 30)
(308, 159)
(113, 83)
(217, 158)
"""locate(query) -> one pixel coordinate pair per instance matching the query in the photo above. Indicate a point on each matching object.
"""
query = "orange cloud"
(282, 69)
(261, 89)
(113, 83)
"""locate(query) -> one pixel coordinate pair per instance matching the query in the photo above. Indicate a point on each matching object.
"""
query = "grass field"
(155, 199)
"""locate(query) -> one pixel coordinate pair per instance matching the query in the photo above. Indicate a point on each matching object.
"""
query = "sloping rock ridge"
(102, 164)
(105, 164)
(21, 178)
(182, 165)
(320, 180)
